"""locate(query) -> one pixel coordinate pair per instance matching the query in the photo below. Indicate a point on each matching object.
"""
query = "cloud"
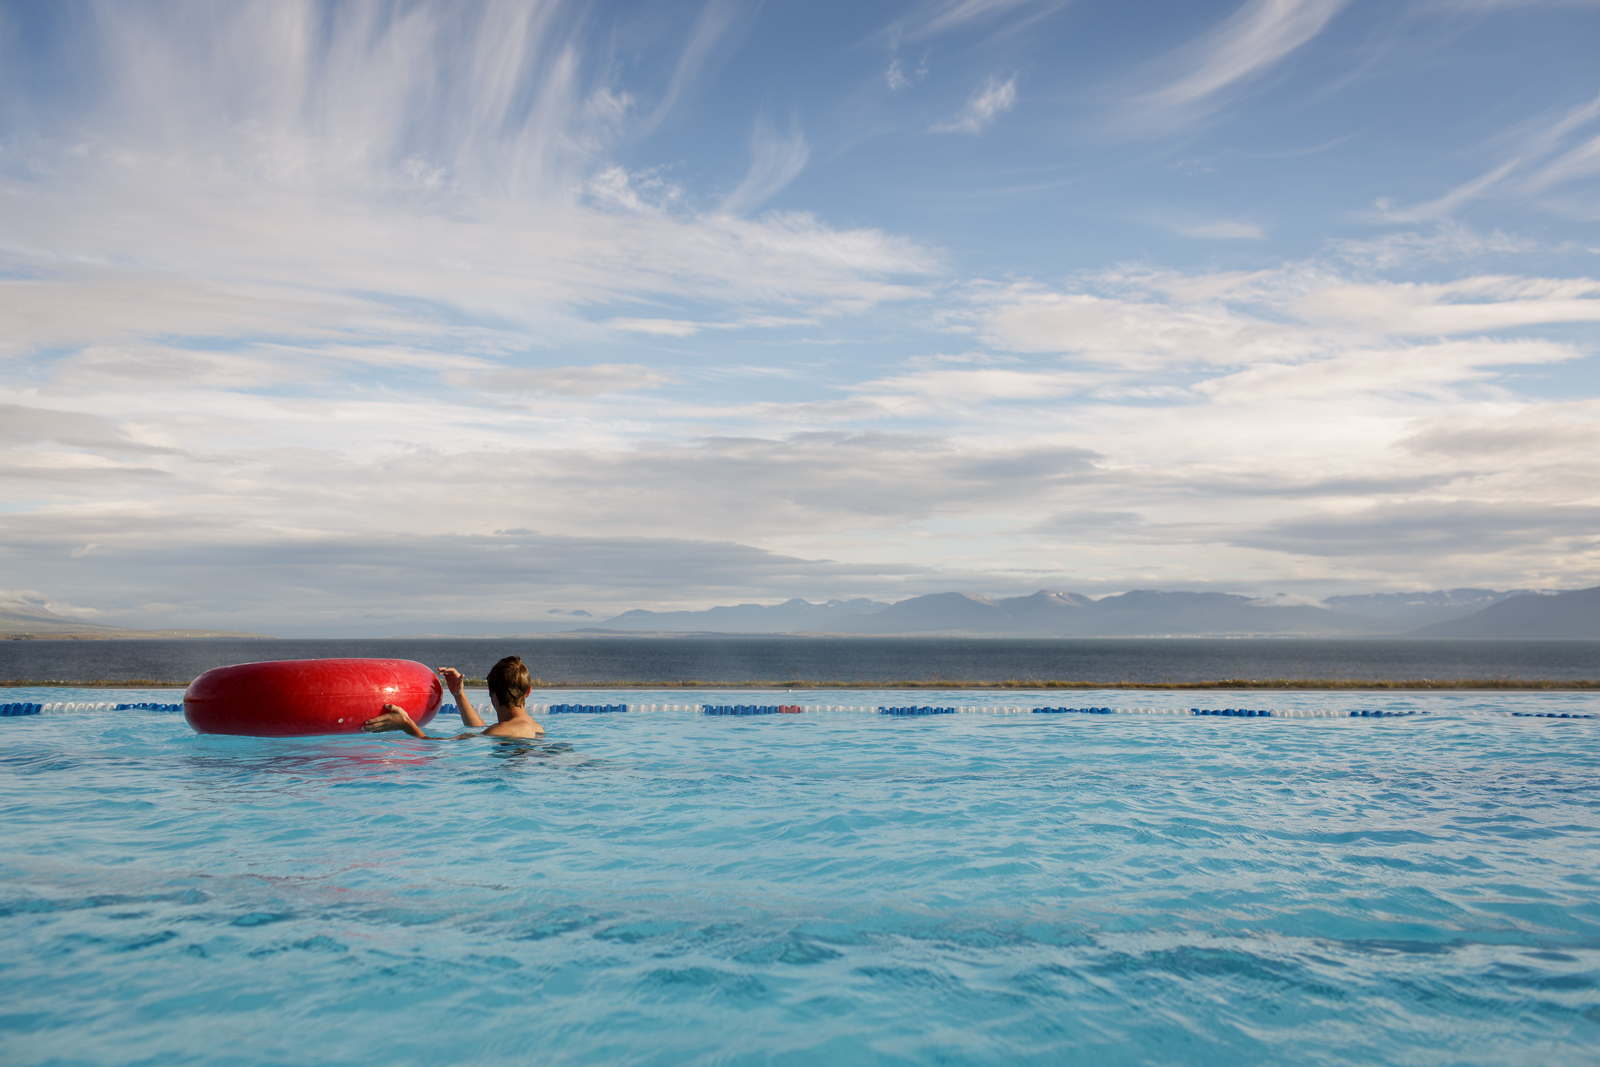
(64, 296)
(661, 327)
(1134, 333)
(309, 540)
(776, 159)
(748, 487)
(48, 453)
(597, 379)
(1313, 406)
(1274, 319)
(939, 16)
(52, 475)
(1270, 482)
(876, 477)
(433, 178)
(717, 19)
(213, 259)
(472, 95)
(1449, 242)
(949, 387)
(1424, 368)
(31, 427)
(1065, 525)
(1445, 528)
(1254, 38)
(1527, 436)
(993, 99)
(1471, 305)
(1543, 154)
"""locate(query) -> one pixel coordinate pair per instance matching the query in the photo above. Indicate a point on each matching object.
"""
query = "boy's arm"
(453, 679)
(394, 717)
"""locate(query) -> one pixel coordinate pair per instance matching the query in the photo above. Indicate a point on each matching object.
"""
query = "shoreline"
(1287, 684)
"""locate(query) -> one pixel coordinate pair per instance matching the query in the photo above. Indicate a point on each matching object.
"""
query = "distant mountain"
(1151, 613)
(20, 619)
(1555, 616)
(949, 612)
(1141, 613)
(1407, 611)
(792, 616)
(1047, 613)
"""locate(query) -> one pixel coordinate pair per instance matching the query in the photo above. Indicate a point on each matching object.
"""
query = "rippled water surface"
(819, 888)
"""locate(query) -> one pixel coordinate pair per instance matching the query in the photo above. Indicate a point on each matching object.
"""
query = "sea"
(569, 660)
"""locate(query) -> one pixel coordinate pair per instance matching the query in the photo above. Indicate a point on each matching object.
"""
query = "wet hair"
(508, 681)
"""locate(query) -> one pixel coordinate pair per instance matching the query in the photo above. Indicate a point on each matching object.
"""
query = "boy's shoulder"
(514, 728)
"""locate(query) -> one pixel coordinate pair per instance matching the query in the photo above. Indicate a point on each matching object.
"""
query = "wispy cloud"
(1135, 332)
(1448, 242)
(1430, 369)
(597, 379)
(660, 327)
(939, 16)
(1545, 154)
(1471, 305)
(715, 21)
(428, 176)
(991, 100)
(1253, 39)
(29, 427)
(1437, 527)
(775, 160)
(1283, 317)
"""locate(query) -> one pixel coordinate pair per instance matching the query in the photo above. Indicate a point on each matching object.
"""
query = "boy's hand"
(394, 717)
(452, 679)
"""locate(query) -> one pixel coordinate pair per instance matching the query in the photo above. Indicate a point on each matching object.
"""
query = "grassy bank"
(1517, 684)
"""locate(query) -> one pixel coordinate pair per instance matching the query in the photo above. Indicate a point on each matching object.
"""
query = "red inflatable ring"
(294, 697)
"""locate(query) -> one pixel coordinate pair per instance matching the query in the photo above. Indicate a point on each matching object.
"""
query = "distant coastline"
(1464, 613)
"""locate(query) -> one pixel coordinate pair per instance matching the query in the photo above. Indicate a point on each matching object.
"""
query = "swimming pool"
(804, 888)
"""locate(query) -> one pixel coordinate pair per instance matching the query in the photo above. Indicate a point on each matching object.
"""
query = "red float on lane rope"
(295, 697)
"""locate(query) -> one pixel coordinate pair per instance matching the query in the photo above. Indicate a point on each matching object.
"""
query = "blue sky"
(377, 318)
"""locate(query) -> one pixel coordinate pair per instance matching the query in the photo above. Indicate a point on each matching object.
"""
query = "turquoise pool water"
(817, 888)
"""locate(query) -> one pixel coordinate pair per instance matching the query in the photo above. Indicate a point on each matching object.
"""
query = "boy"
(508, 693)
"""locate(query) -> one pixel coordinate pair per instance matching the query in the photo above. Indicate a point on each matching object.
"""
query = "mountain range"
(1563, 616)
(1441, 614)
(1453, 613)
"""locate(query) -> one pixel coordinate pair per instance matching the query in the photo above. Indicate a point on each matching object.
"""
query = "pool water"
(835, 888)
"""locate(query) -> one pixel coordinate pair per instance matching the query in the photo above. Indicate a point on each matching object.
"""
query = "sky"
(366, 318)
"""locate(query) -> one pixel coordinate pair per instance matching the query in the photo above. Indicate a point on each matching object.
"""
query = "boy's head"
(508, 682)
